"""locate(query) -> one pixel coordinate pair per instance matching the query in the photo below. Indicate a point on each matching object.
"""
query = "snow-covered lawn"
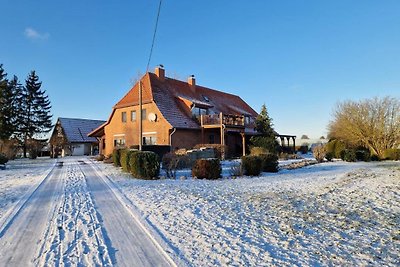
(18, 178)
(327, 214)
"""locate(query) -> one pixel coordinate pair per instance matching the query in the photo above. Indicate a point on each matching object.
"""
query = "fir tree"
(267, 135)
(35, 116)
(6, 126)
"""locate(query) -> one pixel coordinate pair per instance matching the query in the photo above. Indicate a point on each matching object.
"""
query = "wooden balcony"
(217, 120)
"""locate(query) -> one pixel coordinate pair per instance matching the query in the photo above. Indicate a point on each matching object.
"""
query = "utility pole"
(140, 116)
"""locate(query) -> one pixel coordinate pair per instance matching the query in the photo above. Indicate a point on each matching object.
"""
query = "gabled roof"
(172, 97)
(175, 99)
(76, 130)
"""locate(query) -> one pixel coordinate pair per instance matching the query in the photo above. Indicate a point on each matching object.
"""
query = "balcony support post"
(243, 143)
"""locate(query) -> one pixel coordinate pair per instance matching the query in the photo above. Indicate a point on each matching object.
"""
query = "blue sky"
(298, 57)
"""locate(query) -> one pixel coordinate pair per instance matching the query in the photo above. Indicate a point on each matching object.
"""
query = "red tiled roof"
(132, 97)
(174, 97)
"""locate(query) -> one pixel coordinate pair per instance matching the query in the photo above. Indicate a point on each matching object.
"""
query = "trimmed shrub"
(3, 159)
(348, 155)
(124, 155)
(116, 158)
(391, 154)
(252, 165)
(269, 162)
(144, 164)
(319, 153)
(363, 155)
(207, 168)
(329, 156)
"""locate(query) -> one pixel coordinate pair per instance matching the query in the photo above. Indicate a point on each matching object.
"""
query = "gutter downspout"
(170, 138)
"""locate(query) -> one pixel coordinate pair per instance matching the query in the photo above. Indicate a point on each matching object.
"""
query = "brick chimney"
(192, 82)
(160, 72)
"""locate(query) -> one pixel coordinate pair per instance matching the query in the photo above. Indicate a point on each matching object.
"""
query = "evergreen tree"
(264, 127)
(35, 105)
(6, 127)
(10, 108)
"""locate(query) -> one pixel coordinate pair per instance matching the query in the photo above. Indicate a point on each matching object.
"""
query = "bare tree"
(373, 123)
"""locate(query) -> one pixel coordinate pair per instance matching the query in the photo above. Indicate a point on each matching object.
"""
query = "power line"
(154, 36)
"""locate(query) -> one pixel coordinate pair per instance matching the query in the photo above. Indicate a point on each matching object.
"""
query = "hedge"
(269, 162)
(207, 168)
(125, 155)
(116, 157)
(348, 155)
(252, 165)
(144, 165)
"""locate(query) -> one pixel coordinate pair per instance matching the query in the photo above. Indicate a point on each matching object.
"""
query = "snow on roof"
(76, 130)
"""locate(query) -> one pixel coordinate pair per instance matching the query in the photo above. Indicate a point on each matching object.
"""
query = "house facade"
(176, 114)
(70, 137)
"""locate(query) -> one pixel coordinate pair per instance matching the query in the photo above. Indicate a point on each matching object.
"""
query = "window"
(150, 139)
(123, 116)
(206, 98)
(199, 111)
(133, 115)
(119, 141)
(144, 114)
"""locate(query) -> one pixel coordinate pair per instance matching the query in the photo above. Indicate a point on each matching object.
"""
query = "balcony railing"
(225, 119)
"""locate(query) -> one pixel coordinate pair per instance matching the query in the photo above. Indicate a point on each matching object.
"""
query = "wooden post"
(294, 144)
(243, 143)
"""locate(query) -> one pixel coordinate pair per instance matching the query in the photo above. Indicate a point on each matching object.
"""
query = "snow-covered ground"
(19, 178)
(327, 214)
(334, 213)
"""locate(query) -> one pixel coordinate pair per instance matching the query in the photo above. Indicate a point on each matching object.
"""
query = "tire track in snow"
(24, 229)
(77, 237)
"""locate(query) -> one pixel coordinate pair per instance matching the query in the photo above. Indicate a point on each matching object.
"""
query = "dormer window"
(197, 111)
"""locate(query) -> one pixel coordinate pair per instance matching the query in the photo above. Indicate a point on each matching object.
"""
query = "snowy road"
(21, 236)
(75, 218)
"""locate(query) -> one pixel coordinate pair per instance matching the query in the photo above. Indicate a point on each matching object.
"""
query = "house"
(177, 114)
(70, 137)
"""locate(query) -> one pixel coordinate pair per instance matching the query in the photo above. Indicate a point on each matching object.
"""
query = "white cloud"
(33, 34)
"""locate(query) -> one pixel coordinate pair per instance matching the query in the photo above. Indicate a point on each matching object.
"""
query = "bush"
(172, 162)
(252, 165)
(218, 148)
(116, 157)
(269, 162)
(257, 150)
(391, 154)
(348, 155)
(3, 159)
(375, 158)
(319, 153)
(335, 147)
(207, 168)
(144, 164)
(124, 155)
(329, 156)
(363, 155)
